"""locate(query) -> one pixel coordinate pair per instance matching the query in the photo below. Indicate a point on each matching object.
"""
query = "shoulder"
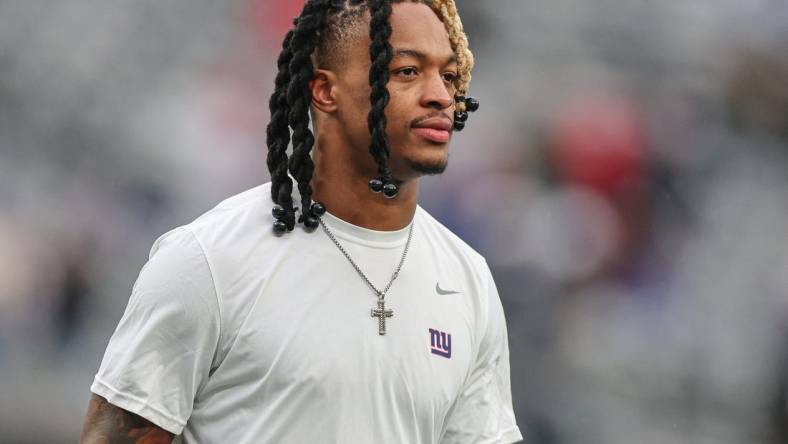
(449, 244)
(224, 251)
(236, 226)
(235, 235)
(223, 236)
(237, 223)
(238, 215)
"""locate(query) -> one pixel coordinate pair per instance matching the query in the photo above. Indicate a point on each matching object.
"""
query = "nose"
(436, 93)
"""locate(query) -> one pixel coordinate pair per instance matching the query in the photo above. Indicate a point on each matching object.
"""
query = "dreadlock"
(381, 53)
(320, 21)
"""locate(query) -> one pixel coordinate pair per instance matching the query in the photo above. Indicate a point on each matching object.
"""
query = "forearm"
(108, 424)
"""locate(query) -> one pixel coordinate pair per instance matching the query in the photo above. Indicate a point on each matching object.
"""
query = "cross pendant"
(381, 313)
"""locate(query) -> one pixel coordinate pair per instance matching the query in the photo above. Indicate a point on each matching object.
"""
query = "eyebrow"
(405, 52)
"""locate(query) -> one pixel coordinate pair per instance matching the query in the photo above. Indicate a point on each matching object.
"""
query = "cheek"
(352, 112)
(361, 108)
(399, 115)
(358, 119)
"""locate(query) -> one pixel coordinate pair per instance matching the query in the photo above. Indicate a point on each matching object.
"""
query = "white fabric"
(233, 334)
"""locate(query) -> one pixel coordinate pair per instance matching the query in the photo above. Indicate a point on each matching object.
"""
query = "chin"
(428, 166)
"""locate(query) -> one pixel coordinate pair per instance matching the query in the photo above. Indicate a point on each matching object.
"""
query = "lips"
(435, 130)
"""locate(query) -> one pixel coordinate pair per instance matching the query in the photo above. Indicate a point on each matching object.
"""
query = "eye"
(450, 77)
(407, 72)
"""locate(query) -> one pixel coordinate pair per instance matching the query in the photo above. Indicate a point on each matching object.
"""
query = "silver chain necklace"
(381, 313)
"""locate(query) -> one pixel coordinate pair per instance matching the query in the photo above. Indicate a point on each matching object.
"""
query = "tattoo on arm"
(109, 424)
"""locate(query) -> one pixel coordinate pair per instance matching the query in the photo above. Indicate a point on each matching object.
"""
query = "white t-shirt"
(235, 335)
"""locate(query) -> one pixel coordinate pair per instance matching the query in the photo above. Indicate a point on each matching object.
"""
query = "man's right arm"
(109, 424)
(167, 337)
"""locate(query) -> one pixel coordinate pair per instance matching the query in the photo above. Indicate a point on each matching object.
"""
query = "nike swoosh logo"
(441, 291)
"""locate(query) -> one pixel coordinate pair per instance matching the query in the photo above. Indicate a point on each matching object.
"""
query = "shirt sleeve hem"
(512, 435)
(137, 406)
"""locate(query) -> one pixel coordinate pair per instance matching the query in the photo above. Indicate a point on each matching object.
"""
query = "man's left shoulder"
(450, 244)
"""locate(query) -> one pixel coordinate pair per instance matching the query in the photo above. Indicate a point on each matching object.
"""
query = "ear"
(322, 88)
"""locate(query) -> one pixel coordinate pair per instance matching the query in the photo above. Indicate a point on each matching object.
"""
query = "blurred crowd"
(637, 153)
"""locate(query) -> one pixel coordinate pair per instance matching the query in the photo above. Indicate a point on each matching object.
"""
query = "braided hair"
(321, 21)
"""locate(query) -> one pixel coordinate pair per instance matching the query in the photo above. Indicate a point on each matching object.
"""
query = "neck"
(343, 187)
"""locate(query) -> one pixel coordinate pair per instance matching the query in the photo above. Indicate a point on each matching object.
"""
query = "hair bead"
(390, 190)
(472, 104)
(278, 212)
(311, 222)
(280, 227)
(376, 185)
(318, 209)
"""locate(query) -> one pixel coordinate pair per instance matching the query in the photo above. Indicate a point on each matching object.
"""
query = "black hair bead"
(280, 227)
(311, 222)
(278, 212)
(471, 104)
(390, 190)
(318, 209)
(376, 185)
(461, 116)
(459, 125)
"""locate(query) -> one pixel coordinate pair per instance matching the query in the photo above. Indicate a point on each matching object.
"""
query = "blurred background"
(626, 179)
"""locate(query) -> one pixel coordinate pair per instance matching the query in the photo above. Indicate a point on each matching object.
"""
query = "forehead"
(415, 26)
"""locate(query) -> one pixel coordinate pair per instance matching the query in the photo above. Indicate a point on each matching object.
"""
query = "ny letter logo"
(440, 343)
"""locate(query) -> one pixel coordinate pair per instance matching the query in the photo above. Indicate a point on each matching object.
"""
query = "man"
(382, 325)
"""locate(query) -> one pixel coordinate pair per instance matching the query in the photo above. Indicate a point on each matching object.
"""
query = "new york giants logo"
(440, 343)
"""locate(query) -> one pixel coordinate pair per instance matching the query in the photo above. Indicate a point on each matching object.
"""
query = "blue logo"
(440, 343)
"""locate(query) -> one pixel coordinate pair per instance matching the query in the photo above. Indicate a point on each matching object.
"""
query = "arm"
(167, 337)
(109, 424)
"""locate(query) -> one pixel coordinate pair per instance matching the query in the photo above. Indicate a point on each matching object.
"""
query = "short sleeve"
(484, 413)
(162, 349)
